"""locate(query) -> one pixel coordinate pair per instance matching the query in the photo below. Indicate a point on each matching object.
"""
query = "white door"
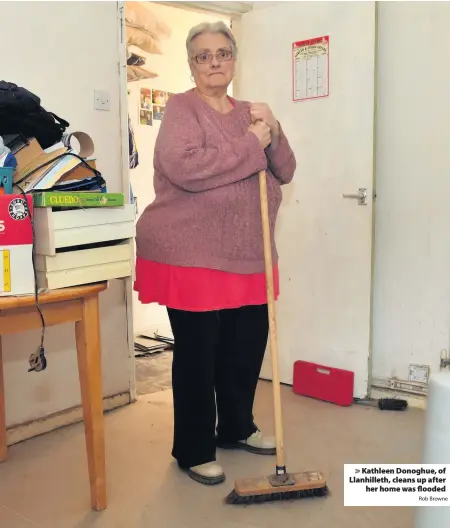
(324, 239)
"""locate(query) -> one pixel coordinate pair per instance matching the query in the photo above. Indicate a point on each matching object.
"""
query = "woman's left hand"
(262, 112)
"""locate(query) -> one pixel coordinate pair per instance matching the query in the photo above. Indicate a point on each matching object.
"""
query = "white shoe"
(259, 444)
(210, 473)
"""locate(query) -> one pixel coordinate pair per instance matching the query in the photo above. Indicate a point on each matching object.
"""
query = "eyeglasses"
(221, 56)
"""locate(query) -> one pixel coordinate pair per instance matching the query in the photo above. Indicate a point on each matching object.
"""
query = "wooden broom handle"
(272, 319)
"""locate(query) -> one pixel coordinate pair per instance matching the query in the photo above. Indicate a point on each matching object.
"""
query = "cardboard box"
(39, 169)
(27, 153)
(80, 172)
(16, 245)
(29, 160)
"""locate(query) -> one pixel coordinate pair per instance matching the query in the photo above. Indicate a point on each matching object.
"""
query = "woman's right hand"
(262, 132)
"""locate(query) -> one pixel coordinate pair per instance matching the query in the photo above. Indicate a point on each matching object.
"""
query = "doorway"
(156, 68)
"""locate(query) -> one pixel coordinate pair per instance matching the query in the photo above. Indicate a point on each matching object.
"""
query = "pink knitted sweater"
(206, 212)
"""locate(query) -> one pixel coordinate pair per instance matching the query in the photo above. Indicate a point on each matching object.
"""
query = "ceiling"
(227, 8)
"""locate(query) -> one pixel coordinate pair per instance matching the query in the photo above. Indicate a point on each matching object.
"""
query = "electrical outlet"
(102, 100)
(419, 373)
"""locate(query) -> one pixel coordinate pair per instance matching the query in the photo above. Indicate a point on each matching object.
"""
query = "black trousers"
(217, 360)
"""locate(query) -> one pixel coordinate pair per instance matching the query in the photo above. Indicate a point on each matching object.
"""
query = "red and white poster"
(311, 68)
(16, 245)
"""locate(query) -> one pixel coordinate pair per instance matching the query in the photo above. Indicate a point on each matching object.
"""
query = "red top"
(199, 289)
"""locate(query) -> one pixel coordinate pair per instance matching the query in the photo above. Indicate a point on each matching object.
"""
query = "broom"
(281, 485)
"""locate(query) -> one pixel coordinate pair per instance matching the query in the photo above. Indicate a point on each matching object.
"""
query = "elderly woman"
(200, 252)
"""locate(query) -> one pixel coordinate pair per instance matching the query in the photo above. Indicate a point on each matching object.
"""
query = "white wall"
(412, 249)
(173, 76)
(63, 52)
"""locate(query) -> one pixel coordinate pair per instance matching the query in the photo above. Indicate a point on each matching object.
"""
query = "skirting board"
(416, 401)
(21, 432)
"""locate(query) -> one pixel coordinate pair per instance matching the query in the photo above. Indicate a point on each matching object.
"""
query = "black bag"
(21, 113)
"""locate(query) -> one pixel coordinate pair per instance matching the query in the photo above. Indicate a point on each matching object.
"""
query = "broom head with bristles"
(392, 404)
(288, 486)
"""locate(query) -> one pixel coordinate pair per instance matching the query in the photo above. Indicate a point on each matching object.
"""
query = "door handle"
(361, 196)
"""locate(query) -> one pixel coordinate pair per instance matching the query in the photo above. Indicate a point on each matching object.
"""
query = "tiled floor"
(44, 483)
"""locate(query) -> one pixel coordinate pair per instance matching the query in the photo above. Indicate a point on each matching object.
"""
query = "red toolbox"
(323, 383)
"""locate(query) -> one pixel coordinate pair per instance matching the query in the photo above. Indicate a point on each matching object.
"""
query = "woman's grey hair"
(211, 27)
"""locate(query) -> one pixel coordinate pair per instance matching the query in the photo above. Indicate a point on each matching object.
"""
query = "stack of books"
(153, 341)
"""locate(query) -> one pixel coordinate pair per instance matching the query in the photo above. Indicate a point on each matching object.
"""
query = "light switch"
(102, 100)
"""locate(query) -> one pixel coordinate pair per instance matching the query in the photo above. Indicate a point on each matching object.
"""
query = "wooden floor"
(44, 483)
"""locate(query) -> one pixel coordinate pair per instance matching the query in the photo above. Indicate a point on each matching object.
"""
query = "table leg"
(90, 372)
(3, 448)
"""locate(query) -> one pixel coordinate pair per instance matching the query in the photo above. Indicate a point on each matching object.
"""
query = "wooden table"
(79, 305)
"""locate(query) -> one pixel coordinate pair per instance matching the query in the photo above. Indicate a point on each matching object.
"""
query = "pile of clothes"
(144, 33)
